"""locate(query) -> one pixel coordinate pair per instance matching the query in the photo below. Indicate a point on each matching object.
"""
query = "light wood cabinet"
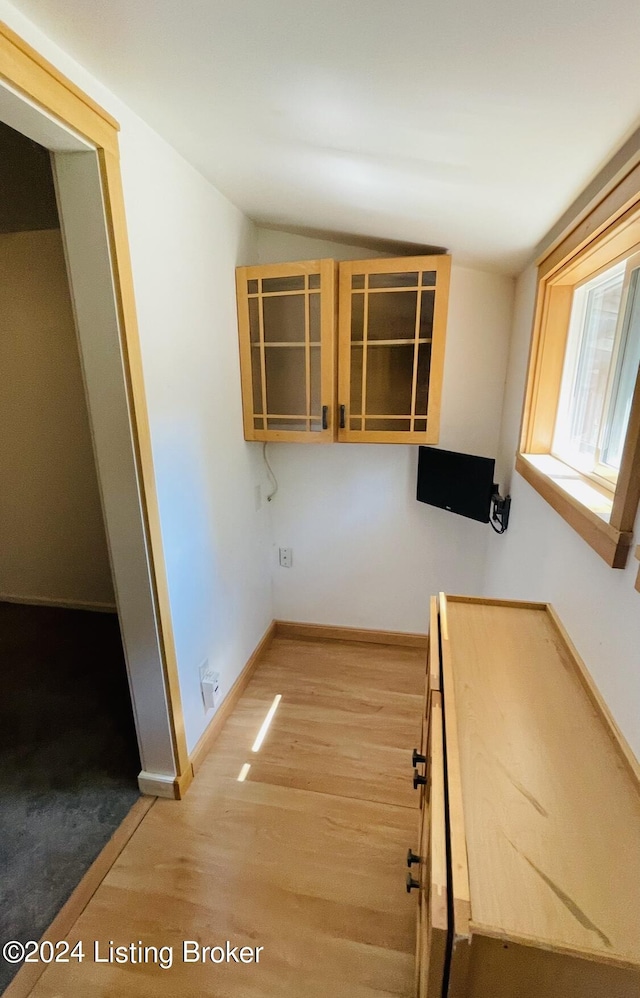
(433, 917)
(535, 798)
(286, 324)
(392, 326)
(390, 343)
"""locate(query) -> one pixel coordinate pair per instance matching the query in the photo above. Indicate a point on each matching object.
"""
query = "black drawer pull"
(342, 417)
(418, 780)
(411, 883)
(417, 758)
(412, 858)
(325, 417)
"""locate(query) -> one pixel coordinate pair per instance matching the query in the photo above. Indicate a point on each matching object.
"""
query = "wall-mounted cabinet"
(286, 323)
(392, 325)
(391, 334)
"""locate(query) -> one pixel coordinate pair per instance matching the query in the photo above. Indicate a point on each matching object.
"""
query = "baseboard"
(27, 977)
(160, 785)
(327, 632)
(214, 728)
(61, 604)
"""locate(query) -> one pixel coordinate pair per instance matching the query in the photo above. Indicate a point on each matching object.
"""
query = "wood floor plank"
(346, 722)
(305, 857)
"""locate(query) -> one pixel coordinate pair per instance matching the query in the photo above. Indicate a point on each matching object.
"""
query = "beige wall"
(52, 540)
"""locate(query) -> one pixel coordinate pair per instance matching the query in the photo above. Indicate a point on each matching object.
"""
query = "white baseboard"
(161, 785)
(62, 604)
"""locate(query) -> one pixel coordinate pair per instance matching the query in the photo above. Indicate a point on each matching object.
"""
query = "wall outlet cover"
(209, 686)
(286, 557)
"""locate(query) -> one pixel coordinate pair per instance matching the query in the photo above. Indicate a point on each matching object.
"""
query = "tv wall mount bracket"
(500, 508)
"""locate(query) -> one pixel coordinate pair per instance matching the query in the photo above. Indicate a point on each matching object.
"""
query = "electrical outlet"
(209, 686)
(286, 557)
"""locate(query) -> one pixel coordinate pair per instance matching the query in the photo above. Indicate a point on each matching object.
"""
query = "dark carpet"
(68, 758)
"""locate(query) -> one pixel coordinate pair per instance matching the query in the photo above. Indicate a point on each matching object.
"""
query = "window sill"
(578, 501)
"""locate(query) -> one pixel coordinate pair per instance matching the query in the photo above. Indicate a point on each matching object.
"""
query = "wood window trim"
(609, 535)
(610, 543)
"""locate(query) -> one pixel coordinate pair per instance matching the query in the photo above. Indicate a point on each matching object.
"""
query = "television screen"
(461, 483)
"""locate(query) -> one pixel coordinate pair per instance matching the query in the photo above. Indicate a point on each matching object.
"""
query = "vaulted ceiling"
(462, 124)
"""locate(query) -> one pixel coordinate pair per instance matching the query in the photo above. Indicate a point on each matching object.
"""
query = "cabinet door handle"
(417, 758)
(342, 408)
(418, 780)
(412, 858)
(411, 883)
(325, 417)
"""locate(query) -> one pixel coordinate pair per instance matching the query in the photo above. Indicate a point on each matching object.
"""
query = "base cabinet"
(432, 936)
(529, 872)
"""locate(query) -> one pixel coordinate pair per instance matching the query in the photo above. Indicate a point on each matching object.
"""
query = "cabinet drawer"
(431, 943)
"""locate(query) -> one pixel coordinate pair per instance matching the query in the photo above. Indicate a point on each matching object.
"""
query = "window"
(580, 445)
(599, 373)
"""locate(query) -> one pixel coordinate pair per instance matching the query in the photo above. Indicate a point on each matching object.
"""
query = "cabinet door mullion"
(263, 360)
(416, 348)
(365, 348)
(307, 351)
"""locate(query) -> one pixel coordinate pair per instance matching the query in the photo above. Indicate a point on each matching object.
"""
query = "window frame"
(600, 472)
(603, 515)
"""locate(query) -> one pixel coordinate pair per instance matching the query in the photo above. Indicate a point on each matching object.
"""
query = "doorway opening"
(69, 758)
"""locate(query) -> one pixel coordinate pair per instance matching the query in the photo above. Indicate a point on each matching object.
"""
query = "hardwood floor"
(304, 858)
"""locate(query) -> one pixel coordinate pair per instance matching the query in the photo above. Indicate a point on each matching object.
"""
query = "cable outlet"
(209, 686)
(286, 557)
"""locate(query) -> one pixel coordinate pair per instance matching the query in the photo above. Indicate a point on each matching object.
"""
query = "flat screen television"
(461, 483)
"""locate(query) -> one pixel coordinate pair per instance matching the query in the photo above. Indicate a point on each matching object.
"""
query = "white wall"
(186, 240)
(365, 553)
(541, 557)
(276, 246)
(51, 529)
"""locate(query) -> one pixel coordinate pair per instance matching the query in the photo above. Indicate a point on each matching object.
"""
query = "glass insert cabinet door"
(286, 319)
(392, 326)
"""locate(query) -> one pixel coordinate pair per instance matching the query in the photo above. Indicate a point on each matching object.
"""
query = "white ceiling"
(456, 123)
